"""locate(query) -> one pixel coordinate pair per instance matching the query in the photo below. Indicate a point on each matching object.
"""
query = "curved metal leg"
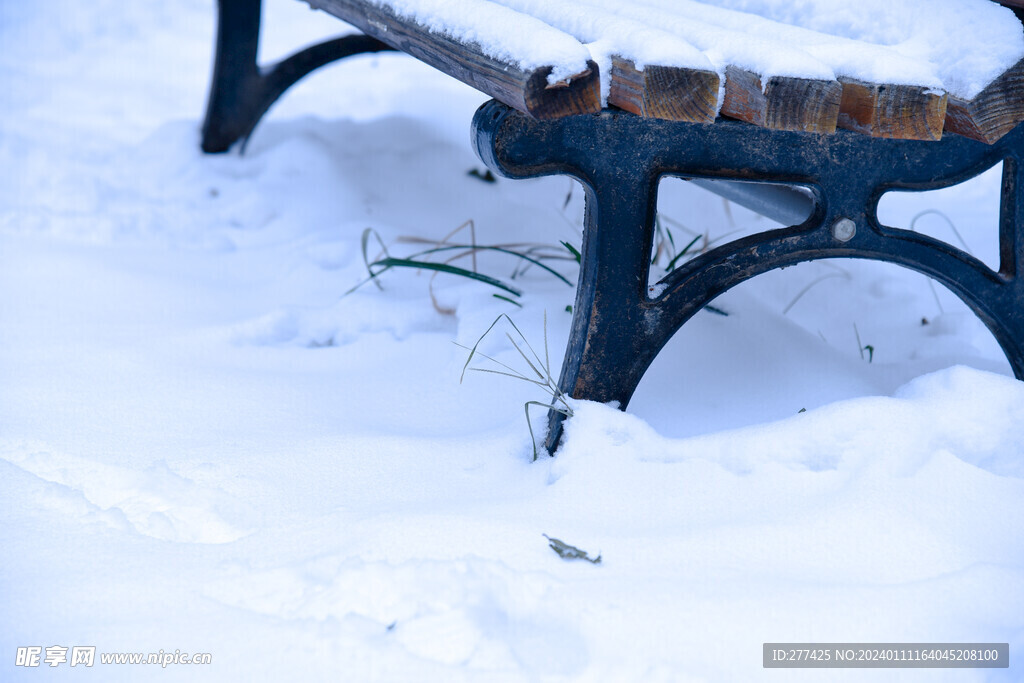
(240, 91)
(604, 358)
(617, 331)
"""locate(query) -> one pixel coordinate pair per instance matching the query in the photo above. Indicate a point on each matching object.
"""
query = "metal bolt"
(844, 229)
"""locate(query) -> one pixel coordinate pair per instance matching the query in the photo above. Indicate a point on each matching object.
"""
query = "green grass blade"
(392, 262)
(505, 298)
(717, 311)
(574, 251)
(672, 264)
(469, 248)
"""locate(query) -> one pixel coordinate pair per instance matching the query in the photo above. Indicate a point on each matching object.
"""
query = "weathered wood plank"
(664, 92)
(892, 111)
(994, 112)
(527, 91)
(799, 104)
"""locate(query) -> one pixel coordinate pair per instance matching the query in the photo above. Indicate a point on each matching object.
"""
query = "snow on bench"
(514, 58)
(888, 68)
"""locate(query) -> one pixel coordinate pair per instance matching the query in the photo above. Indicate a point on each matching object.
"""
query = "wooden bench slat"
(664, 92)
(994, 112)
(527, 91)
(787, 103)
(799, 104)
(892, 111)
(681, 87)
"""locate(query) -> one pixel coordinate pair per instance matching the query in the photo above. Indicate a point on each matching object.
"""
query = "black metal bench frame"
(617, 329)
(241, 91)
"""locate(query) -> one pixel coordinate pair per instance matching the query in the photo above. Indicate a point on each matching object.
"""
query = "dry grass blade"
(542, 369)
(473, 351)
(529, 424)
(963, 243)
(512, 374)
(949, 222)
(444, 240)
(364, 243)
(516, 346)
(810, 286)
(677, 224)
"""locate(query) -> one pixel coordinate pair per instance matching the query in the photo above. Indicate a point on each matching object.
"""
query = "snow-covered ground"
(204, 448)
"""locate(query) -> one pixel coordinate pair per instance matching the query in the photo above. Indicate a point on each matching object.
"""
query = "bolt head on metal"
(844, 229)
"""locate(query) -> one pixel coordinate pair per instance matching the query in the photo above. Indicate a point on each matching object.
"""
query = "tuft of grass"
(672, 262)
(526, 254)
(664, 248)
(539, 373)
(665, 244)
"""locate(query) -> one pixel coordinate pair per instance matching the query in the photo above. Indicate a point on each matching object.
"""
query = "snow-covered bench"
(846, 102)
(909, 69)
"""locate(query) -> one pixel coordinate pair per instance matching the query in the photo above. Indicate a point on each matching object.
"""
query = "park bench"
(815, 151)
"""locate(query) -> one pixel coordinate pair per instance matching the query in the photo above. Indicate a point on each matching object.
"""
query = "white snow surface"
(205, 448)
(608, 34)
(968, 43)
(772, 48)
(956, 45)
(501, 33)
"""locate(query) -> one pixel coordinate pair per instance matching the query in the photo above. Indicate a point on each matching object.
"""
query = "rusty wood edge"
(902, 112)
(526, 91)
(664, 92)
(994, 112)
(795, 104)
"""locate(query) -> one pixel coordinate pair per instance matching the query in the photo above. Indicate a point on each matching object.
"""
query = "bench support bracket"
(618, 327)
(241, 91)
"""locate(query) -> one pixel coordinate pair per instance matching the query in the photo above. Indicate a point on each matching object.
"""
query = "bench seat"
(690, 61)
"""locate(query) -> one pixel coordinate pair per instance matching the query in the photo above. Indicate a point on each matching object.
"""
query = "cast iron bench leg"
(241, 91)
(611, 336)
(617, 329)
